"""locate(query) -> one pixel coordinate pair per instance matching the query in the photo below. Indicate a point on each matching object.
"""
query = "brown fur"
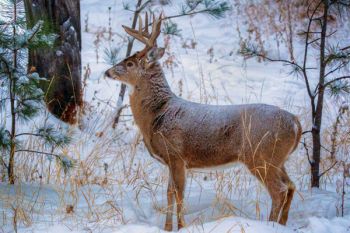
(186, 135)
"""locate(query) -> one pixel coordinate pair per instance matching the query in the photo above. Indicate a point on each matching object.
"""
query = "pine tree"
(21, 98)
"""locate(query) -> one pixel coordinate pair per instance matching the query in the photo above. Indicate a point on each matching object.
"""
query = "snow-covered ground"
(312, 211)
(133, 198)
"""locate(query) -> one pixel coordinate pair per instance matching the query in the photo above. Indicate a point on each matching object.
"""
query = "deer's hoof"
(168, 227)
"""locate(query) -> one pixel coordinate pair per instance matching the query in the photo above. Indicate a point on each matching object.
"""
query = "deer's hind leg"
(170, 207)
(288, 201)
(178, 171)
(273, 179)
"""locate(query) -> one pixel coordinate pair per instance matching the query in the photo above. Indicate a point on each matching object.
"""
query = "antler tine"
(140, 24)
(155, 29)
(143, 35)
(154, 18)
(137, 34)
(134, 33)
(146, 24)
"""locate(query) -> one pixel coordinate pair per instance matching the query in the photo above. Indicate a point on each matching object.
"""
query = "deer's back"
(223, 133)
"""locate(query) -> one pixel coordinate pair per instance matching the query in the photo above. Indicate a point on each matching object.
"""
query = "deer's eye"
(129, 64)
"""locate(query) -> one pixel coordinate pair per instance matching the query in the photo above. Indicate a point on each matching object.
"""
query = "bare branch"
(340, 66)
(335, 80)
(118, 114)
(278, 60)
(307, 151)
(29, 134)
(313, 41)
(3, 162)
(327, 170)
(38, 152)
(305, 132)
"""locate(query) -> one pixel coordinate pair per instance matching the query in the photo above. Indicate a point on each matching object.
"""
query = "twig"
(39, 152)
(118, 114)
(327, 169)
(307, 151)
(3, 162)
(29, 134)
(336, 79)
(305, 132)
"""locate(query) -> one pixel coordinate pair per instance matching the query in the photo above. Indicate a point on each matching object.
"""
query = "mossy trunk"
(61, 65)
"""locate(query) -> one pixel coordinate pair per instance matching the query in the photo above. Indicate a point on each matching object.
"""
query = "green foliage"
(215, 8)
(126, 6)
(111, 55)
(171, 28)
(52, 137)
(5, 140)
(66, 162)
(248, 50)
(339, 88)
(337, 56)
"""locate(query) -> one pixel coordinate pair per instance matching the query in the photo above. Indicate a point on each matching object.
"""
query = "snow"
(217, 201)
(311, 212)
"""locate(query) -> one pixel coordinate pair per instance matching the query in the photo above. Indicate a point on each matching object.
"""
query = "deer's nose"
(107, 74)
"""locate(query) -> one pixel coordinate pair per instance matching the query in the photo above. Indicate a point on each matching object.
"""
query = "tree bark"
(317, 121)
(61, 65)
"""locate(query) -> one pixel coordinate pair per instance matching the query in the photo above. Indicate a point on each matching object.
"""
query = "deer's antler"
(142, 35)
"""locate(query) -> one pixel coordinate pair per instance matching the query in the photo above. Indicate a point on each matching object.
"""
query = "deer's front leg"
(170, 207)
(179, 178)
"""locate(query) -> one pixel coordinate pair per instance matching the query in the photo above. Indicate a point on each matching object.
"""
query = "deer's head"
(132, 68)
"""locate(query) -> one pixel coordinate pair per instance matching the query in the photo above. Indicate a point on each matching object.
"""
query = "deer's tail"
(298, 131)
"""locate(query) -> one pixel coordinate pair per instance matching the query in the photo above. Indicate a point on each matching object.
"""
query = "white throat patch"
(130, 88)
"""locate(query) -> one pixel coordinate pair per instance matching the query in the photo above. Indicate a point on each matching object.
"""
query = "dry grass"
(114, 166)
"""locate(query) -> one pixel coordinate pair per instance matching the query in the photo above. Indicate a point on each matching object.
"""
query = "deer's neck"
(150, 98)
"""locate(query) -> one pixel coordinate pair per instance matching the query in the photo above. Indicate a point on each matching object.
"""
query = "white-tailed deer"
(186, 135)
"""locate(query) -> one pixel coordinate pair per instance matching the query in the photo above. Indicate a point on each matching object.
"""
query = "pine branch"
(186, 14)
(66, 162)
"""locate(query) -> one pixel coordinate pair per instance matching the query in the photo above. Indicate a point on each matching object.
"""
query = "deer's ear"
(155, 54)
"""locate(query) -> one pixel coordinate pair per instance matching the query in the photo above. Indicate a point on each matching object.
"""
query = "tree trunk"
(11, 164)
(317, 121)
(316, 157)
(61, 65)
